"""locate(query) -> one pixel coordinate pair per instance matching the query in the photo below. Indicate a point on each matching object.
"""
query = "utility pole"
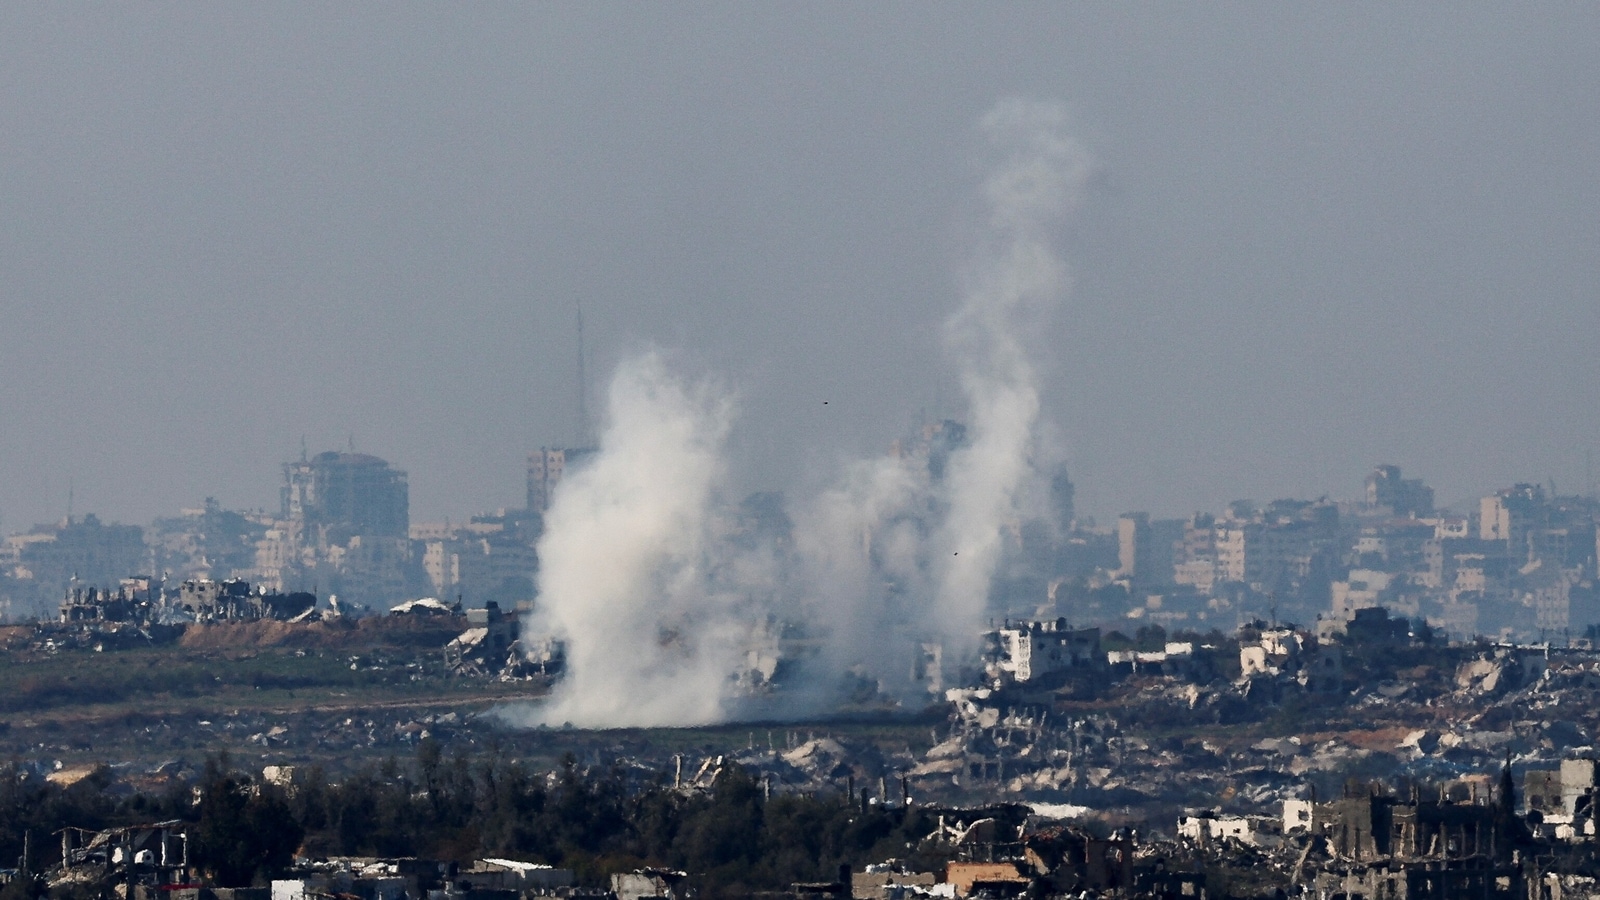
(127, 859)
(583, 389)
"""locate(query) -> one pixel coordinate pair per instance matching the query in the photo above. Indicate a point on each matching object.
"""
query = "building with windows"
(344, 530)
(355, 493)
(44, 563)
(546, 466)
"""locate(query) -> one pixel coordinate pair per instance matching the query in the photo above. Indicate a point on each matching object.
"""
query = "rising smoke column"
(891, 554)
(656, 604)
(623, 562)
(1014, 282)
(853, 542)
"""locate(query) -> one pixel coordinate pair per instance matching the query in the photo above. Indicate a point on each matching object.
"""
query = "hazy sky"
(1318, 237)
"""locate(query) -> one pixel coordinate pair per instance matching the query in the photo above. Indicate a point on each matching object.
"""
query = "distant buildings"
(1286, 551)
(344, 527)
(1195, 558)
(546, 466)
(209, 542)
(40, 565)
(345, 493)
(1406, 498)
(931, 447)
(490, 557)
(1520, 565)
(1147, 550)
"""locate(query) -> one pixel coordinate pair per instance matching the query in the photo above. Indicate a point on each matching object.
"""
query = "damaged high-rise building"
(353, 492)
(1402, 497)
(344, 530)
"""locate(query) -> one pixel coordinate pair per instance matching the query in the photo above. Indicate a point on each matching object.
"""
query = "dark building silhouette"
(358, 493)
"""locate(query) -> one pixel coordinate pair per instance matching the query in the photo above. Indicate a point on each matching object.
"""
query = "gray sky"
(1319, 237)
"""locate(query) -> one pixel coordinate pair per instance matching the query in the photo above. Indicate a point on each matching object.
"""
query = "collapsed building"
(142, 601)
(151, 861)
(492, 645)
(1007, 850)
(1455, 845)
(1564, 798)
(418, 879)
(233, 600)
(137, 600)
(488, 644)
(143, 860)
(1277, 656)
(1040, 654)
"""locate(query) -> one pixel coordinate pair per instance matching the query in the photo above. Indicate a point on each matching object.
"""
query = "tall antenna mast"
(583, 389)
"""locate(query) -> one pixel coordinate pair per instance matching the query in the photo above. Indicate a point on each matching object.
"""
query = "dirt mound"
(392, 631)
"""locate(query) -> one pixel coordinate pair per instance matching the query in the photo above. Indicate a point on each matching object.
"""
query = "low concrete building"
(516, 875)
(1206, 828)
(882, 882)
(647, 883)
(967, 877)
(1029, 651)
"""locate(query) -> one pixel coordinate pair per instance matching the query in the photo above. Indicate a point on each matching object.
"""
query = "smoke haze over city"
(831, 450)
(1314, 239)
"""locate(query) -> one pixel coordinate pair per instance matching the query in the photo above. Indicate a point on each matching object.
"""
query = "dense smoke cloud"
(658, 603)
(624, 560)
(861, 552)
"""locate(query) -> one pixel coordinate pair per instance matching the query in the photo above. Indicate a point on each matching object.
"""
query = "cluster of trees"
(732, 839)
(243, 831)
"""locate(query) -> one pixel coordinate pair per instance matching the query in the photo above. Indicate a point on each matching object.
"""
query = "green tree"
(247, 832)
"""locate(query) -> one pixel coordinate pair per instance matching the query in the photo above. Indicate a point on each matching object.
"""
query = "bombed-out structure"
(235, 600)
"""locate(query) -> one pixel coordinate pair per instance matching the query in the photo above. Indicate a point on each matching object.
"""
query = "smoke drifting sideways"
(661, 598)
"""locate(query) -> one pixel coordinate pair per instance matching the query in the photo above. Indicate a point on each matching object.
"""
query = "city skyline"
(1353, 491)
(711, 449)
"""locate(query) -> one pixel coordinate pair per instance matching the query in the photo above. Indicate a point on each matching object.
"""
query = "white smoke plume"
(657, 606)
(1015, 282)
(625, 561)
(860, 547)
(897, 547)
